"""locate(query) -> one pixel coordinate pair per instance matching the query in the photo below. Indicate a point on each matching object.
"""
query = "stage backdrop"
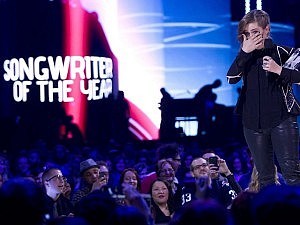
(63, 61)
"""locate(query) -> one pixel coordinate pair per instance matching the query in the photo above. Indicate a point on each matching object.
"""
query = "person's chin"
(260, 47)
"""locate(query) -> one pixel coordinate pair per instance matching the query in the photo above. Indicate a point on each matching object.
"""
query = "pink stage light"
(75, 43)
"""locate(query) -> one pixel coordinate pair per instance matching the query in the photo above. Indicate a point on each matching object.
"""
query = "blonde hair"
(254, 185)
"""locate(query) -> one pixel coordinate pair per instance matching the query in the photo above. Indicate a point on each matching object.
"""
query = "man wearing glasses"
(206, 185)
(53, 183)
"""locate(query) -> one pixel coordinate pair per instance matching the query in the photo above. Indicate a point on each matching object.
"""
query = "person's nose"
(161, 191)
(131, 180)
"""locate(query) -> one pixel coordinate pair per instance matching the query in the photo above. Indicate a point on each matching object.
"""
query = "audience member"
(162, 207)
(22, 202)
(130, 177)
(97, 208)
(183, 173)
(207, 185)
(202, 211)
(104, 177)
(250, 178)
(38, 178)
(238, 166)
(4, 169)
(222, 172)
(165, 171)
(246, 177)
(22, 166)
(67, 189)
(73, 171)
(90, 180)
(58, 205)
(134, 198)
(118, 166)
(277, 204)
(241, 208)
(129, 215)
(247, 156)
(142, 169)
(35, 161)
(254, 183)
(130, 186)
(170, 151)
(60, 156)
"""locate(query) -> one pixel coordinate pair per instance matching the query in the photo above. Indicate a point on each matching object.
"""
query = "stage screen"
(62, 62)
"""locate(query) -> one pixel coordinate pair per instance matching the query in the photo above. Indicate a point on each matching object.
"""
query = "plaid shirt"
(80, 193)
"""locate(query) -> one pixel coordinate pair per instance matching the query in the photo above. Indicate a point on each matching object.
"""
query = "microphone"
(261, 61)
(266, 59)
(268, 44)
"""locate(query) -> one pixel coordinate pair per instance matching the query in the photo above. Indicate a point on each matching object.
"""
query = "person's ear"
(244, 37)
(192, 174)
(268, 30)
(46, 183)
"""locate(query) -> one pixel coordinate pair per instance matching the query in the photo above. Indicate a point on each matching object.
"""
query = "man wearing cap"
(90, 180)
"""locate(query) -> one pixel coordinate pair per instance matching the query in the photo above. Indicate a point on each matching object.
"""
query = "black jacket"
(62, 206)
(220, 191)
(261, 102)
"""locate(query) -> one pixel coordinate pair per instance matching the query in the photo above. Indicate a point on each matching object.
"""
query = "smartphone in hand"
(214, 160)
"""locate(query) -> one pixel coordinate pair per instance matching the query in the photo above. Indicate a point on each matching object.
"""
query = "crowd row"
(159, 197)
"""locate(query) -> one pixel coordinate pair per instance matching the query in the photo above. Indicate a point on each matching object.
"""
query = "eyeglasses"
(58, 176)
(197, 167)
